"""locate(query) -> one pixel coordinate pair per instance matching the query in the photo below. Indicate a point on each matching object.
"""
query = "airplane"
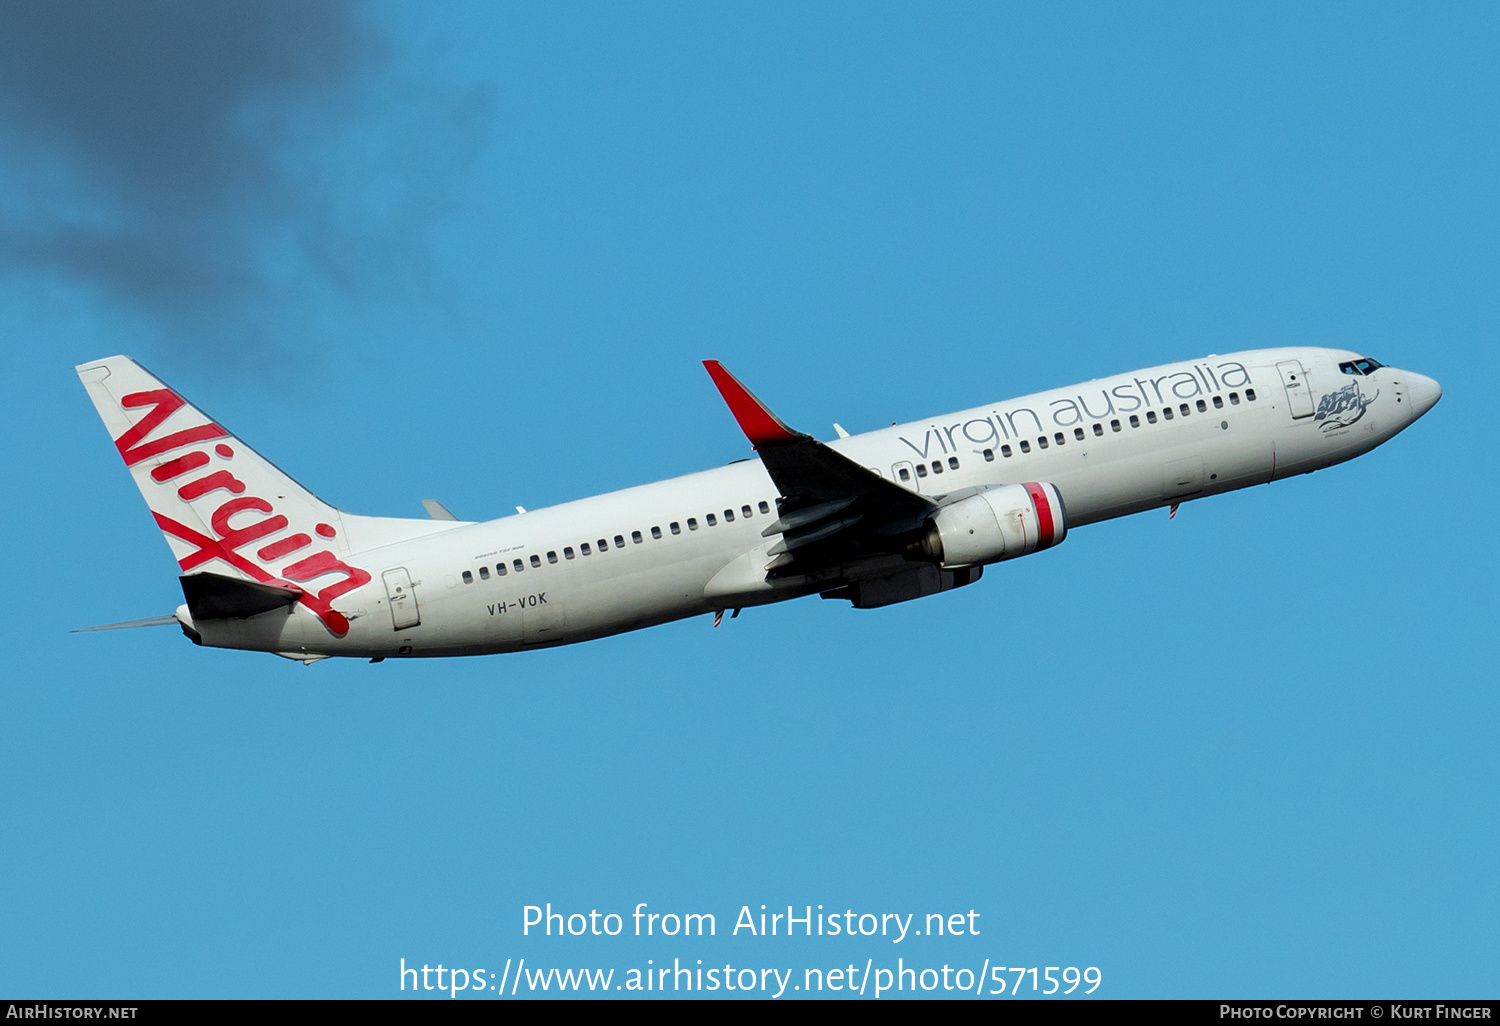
(878, 518)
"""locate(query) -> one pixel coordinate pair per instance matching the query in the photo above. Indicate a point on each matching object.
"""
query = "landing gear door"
(1298, 395)
(404, 612)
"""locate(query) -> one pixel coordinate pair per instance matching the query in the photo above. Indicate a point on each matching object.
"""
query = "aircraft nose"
(1424, 392)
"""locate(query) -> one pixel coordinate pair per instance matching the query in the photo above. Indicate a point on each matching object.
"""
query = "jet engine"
(999, 523)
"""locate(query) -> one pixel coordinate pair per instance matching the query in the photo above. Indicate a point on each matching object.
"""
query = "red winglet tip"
(760, 425)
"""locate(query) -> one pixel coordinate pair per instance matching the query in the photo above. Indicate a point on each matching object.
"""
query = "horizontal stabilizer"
(216, 597)
(150, 621)
(436, 510)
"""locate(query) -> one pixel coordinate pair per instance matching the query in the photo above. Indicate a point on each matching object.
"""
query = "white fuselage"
(689, 548)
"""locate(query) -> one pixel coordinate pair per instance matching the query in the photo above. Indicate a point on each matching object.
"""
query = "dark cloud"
(180, 155)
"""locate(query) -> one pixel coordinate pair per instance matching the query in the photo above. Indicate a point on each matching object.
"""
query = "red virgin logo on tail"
(137, 444)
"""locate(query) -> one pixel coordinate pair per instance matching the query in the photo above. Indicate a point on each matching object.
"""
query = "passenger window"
(1060, 438)
(536, 560)
(567, 552)
(1167, 413)
(675, 527)
(921, 470)
(603, 545)
(1202, 406)
(729, 516)
(1218, 402)
(656, 533)
(1098, 430)
(905, 475)
(619, 541)
(499, 569)
(552, 557)
(1005, 451)
(1234, 398)
(952, 462)
(1150, 416)
(713, 521)
(1041, 443)
(1250, 394)
(1025, 445)
(584, 548)
(468, 577)
(1078, 433)
(1114, 425)
(518, 565)
(745, 512)
(1135, 421)
(765, 507)
(937, 466)
(635, 536)
(989, 455)
(484, 573)
(692, 524)
(1184, 409)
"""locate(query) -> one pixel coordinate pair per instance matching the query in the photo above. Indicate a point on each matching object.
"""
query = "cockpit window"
(1364, 365)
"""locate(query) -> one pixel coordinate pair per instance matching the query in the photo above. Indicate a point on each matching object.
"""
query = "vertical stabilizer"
(222, 506)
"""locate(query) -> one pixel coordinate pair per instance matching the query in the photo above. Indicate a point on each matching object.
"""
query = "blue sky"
(477, 253)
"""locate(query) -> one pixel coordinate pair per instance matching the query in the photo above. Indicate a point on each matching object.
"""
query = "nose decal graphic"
(1342, 408)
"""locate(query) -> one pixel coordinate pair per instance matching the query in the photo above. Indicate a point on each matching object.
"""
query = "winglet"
(760, 425)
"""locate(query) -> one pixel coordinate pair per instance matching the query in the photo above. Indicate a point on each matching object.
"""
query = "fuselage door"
(542, 622)
(404, 612)
(1298, 395)
(1182, 477)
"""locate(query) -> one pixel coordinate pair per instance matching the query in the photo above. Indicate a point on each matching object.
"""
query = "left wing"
(831, 509)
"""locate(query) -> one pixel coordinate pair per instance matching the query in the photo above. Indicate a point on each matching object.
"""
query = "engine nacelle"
(999, 523)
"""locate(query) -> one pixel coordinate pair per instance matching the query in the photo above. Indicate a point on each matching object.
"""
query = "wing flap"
(803, 517)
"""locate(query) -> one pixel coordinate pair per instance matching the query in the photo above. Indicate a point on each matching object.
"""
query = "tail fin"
(221, 505)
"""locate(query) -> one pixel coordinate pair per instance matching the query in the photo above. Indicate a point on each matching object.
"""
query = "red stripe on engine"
(1043, 513)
